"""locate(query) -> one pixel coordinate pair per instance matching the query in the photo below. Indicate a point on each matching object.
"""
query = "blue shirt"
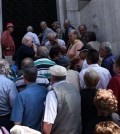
(29, 106)
(8, 94)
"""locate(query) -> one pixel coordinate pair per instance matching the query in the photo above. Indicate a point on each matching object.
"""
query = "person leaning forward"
(63, 105)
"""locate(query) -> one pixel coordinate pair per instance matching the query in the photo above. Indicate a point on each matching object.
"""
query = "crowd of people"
(58, 82)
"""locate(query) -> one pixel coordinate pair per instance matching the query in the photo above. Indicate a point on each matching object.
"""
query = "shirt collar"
(55, 84)
(93, 65)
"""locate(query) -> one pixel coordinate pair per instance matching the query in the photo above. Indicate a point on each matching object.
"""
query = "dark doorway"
(28, 12)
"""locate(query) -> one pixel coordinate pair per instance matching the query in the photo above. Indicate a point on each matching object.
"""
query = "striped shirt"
(43, 66)
(41, 80)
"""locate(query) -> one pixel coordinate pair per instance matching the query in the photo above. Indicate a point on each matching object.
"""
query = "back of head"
(4, 66)
(91, 78)
(30, 73)
(107, 127)
(30, 29)
(25, 39)
(105, 101)
(26, 62)
(42, 52)
(91, 36)
(93, 56)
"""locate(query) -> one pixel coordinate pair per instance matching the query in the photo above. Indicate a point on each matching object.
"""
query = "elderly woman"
(72, 52)
(106, 105)
(88, 109)
(107, 127)
(105, 51)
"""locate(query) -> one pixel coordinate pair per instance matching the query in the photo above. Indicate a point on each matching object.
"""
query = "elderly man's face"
(82, 30)
(52, 40)
(29, 42)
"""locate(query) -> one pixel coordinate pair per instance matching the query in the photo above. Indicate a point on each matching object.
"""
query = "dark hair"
(93, 56)
(59, 78)
(91, 36)
(83, 26)
(54, 51)
(117, 62)
(30, 73)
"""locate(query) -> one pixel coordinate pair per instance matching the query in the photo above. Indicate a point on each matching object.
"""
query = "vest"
(68, 119)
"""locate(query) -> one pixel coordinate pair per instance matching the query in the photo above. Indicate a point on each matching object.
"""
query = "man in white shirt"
(63, 107)
(104, 74)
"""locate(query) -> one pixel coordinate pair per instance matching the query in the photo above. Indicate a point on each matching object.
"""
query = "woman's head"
(107, 127)
(72, 35)
(105, 102)
(91, 78)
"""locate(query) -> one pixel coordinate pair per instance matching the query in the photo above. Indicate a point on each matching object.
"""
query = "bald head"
(42, 52)
(30, 29)
(66, 23)
(27, 62)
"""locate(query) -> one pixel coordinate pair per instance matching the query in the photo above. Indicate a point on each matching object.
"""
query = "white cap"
(58, 70)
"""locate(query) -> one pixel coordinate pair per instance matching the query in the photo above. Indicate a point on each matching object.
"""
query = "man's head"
(43, 25)
(27, 40)
(58, 73)
(27, 62)
(105, 49)
(30, 29)
(82, 29)
(66, 24)
(29, 73)
(42, 52)
(92, 57)
(52, 38)
(105, 102)
(84, 51)
(4, 67)
(10, 27)
(55, 25)
(107, 127)
(91, 78)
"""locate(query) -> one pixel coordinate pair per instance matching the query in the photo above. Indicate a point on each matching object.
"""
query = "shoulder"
(47, 43)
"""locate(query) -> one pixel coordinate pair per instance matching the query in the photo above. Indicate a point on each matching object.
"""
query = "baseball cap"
(9, 24)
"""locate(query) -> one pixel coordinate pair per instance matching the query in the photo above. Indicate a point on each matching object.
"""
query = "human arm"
(50, 112)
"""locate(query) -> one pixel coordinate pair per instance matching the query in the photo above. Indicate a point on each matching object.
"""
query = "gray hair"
(52, 34)
(4, 66)
(42, 52)
(107, 47)
(30, 29)
(91, 78)
(25, 39)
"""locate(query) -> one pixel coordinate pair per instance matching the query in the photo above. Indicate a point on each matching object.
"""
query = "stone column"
(0, 26)
(61, 11)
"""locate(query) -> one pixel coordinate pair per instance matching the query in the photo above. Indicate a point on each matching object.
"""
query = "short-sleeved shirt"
(29, 106)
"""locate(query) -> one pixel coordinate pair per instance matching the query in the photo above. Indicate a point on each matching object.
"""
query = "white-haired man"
(27, 49)
(63, 105)
(8, 94)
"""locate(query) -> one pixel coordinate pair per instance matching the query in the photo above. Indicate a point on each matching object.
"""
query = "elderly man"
(29, 104)
(27, 49)
(105, 51)
(30, 32)
(45, 31)
(53, 40)
(43, 62)
(8, 94)
(63, 105)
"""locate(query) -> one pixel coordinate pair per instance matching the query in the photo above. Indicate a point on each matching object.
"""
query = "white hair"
(25, 39)
(107, 47)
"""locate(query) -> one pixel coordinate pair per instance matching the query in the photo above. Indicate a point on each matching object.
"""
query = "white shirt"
(104, 76)
(84, 65)
(51, 106)
(60, 43)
